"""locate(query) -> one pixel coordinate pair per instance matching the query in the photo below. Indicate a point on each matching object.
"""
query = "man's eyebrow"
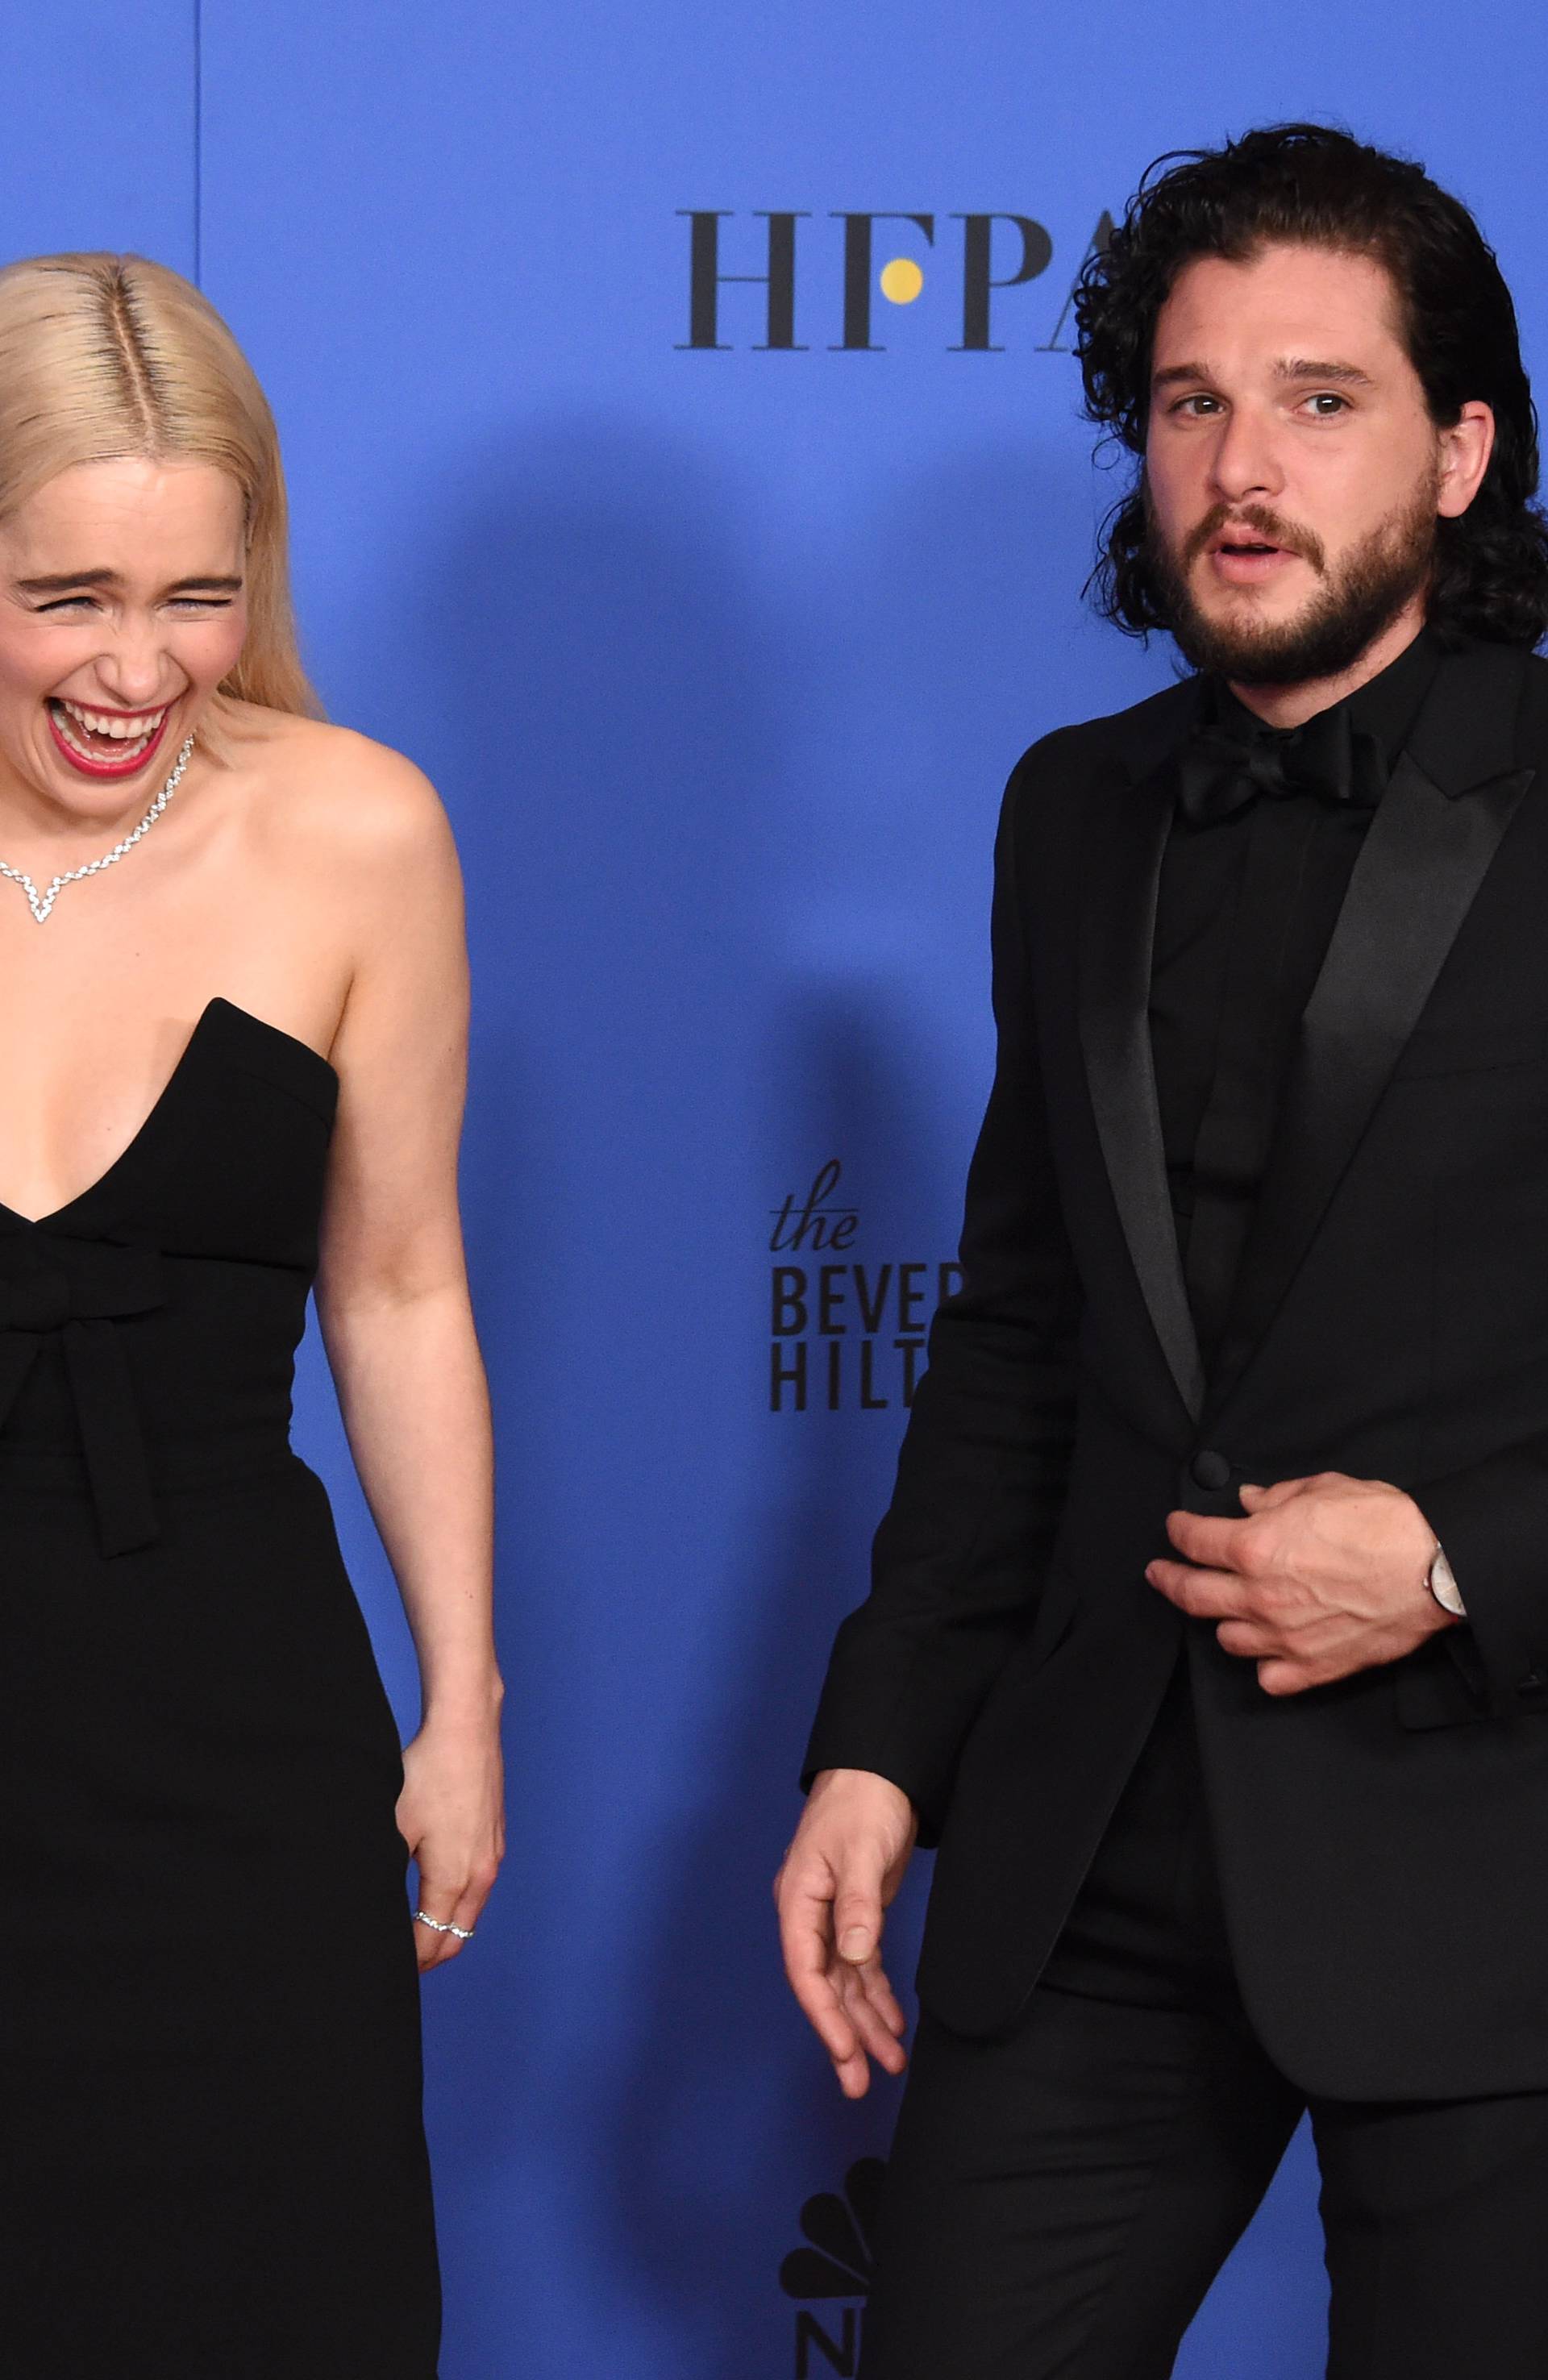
(1304, 367)
(1287, 368)
(61, 582)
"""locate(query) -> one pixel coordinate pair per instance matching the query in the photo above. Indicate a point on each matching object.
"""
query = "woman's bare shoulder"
(333, 792)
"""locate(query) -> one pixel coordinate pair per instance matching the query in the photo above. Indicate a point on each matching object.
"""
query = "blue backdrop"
(719, 655)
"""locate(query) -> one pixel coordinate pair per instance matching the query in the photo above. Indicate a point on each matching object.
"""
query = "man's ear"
(1465, 450)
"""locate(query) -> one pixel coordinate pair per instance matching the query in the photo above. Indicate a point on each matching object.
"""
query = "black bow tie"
(1219, 771)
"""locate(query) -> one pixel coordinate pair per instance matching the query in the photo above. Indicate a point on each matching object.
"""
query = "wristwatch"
(1443, 1586)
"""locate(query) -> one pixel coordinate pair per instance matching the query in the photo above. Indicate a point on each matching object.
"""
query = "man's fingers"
(876, 2040)
(854, 2075)
(846, 1908)
(857, 1931)
(1205, 1593)
(848, 2008)
(1278, 1676)
(1209, 1538)
(820, 2003)
(830, 1893)
(870, 2024)
(806, 1914)
(884, 2000)
(1264, 1500)
(851, 2006)
(852, 2009)
(806, 1928)
(857, 1912)
(1282, 1674)
(1249, 1641)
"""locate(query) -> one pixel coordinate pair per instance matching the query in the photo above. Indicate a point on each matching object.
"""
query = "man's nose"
(1245, 462)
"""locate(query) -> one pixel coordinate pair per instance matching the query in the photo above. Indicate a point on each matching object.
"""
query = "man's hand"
(1323, 1577)
(840, 1873)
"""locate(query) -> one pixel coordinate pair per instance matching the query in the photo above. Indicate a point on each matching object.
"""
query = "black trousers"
(1058, 2200)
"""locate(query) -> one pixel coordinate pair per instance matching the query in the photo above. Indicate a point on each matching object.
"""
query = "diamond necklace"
(41, 902)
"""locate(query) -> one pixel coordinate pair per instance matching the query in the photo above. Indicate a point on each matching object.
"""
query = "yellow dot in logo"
(901, 281)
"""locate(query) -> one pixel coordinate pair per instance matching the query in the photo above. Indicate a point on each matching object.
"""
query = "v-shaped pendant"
(41, 902)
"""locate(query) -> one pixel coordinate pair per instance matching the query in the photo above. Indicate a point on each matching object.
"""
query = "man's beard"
(1359, 598)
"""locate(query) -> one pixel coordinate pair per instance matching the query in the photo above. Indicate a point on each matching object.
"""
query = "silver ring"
(463, 1933)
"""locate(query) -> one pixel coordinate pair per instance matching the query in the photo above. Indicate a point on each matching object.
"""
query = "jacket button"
(1210, 1469)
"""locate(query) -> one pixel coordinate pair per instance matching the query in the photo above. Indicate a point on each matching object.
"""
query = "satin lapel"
(1125, 836)
(1422, 860)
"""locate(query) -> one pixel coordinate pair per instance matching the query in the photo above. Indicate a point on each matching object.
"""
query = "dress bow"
(80, 1290)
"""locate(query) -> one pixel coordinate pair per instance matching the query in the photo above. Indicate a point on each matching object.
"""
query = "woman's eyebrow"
(57, 582)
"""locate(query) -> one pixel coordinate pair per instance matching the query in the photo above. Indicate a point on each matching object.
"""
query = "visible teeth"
(123, 731)
(63, 714)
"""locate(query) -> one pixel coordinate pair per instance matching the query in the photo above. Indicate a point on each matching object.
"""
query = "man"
(1209, 1628)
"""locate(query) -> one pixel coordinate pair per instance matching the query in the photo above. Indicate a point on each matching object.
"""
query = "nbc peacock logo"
(833, 2267)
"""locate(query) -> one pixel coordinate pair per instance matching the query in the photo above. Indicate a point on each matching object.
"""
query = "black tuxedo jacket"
(1382, 1842)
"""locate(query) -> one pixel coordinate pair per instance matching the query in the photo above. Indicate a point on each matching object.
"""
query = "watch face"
(1443, 1586)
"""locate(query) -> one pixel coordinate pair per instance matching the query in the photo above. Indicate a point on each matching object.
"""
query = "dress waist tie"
(78, 1291)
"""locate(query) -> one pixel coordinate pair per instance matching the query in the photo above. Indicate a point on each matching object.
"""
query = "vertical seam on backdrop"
(198, 140)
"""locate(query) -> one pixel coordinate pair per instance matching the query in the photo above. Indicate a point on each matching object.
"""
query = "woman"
(234, 986)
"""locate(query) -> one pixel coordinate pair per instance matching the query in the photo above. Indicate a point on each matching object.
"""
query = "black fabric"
(1388, 1318)
(1233, 1909)
(1059, 2198)
(209, 2021)
(1219, 773)
(1243, 921)
(1056, 2205)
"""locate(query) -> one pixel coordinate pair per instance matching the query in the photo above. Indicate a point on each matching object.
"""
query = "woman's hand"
(451, 1814)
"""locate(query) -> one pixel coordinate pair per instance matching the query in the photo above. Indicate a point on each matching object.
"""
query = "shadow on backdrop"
(605, 748)
(730, 2118)
(627, 2111)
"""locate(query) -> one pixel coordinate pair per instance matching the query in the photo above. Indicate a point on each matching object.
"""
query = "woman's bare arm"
(396, 1318)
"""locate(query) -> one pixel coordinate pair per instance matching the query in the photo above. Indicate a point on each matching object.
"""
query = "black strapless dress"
(212, 2154)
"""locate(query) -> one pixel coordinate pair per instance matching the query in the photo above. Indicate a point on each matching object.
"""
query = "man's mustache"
(1267, 524)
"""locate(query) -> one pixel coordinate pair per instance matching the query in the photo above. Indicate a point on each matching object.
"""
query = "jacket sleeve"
(1493, 1520)
(959, 1560)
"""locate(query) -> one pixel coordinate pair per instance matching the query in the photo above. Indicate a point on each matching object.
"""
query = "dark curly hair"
(1316, 185)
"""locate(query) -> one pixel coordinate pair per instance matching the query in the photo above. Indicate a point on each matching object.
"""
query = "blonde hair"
(105, 356)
